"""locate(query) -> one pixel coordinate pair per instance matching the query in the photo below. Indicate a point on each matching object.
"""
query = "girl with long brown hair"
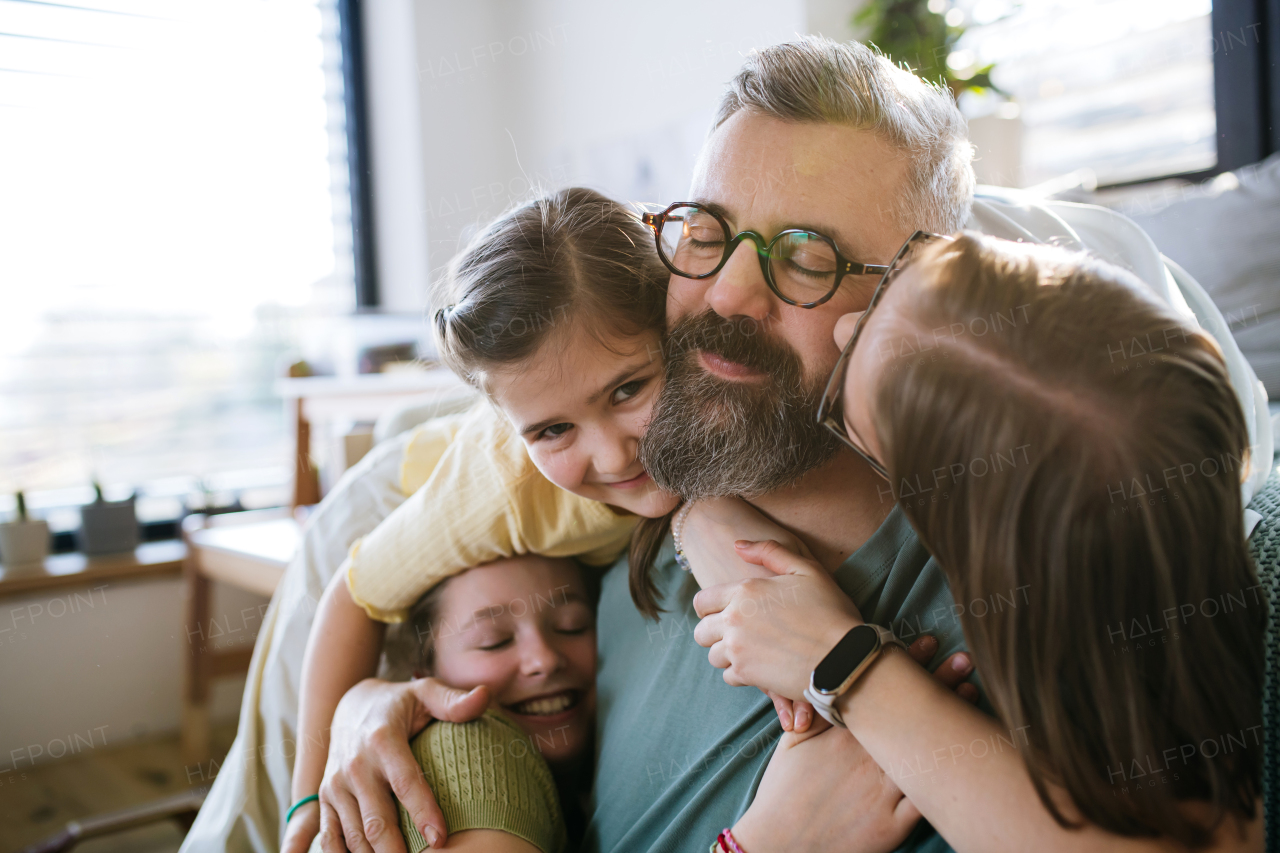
(1074, 464)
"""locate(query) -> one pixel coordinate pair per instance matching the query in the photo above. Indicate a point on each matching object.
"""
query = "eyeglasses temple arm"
(855, 268)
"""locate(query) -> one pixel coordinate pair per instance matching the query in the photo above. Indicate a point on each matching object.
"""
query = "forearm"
(961, 768)
(709, 531)
(342, 650)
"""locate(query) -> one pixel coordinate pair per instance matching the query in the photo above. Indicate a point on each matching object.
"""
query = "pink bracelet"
(728, 843)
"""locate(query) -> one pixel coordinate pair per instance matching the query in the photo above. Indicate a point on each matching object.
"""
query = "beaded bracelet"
(677, 528)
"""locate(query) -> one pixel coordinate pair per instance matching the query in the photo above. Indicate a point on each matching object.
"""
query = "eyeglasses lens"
(803, 266)
(691, 240)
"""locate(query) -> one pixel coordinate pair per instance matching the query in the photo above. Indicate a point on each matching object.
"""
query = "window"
(174, 212)
(1121, 88)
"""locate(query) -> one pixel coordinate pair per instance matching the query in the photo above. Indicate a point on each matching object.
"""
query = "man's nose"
(739, 289)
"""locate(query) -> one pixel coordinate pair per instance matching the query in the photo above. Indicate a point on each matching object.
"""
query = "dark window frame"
(1246, 87)
(355, 101)
(1246, 80)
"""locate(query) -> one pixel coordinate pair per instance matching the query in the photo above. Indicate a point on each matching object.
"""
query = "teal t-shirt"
(680, 752)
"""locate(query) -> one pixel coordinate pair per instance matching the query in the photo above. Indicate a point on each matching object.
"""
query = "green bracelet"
(299, 804)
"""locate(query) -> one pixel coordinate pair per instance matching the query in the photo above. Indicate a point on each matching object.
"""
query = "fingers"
(443, 702)
(379, 820)
(923, 650)
(775, 557)
(954, 670)
(782, 706)
(412, 790)
(709, 631)
(718, 656)
(713, 599)
(816, 727)
(968, 693)
(330, 830)
(804, 715)
(349, 830)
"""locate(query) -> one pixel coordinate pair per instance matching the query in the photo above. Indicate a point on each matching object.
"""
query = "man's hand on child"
(370, 759)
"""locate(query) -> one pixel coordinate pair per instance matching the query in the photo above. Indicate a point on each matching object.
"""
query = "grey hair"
(815, 79)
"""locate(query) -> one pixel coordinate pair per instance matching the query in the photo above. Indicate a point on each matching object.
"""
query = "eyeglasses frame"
(764, 249)
(830, 403)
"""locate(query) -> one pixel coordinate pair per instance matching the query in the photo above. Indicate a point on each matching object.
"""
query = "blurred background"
(218, 219)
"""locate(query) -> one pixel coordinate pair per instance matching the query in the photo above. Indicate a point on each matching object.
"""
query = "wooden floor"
(37, 803)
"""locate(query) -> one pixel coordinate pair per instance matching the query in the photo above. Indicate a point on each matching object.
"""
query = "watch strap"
(825, 703)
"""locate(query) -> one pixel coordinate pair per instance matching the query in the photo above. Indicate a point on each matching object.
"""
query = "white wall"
(473, 101)
(559, 92)
(93, 667)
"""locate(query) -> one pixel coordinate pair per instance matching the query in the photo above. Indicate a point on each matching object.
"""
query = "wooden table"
(249, 550)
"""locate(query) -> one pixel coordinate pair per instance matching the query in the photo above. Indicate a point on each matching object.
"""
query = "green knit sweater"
(486, 774)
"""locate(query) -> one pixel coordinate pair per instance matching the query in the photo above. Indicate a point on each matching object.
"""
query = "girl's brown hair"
(1086, 451)
(567, 260)
(571, 259)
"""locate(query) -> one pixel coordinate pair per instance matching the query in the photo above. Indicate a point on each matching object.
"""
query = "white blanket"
(250, 794)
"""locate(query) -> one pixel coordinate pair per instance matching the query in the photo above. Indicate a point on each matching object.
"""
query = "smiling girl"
(555, 312)
(523, 628)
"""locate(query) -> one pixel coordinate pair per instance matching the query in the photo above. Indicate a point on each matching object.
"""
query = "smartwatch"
(843, 665)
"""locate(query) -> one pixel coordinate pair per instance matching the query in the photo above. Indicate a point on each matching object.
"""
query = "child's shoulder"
(480, 746)
(487, 774)
(487, 729)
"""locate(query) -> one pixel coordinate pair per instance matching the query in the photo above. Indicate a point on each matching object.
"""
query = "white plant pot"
(23, 542)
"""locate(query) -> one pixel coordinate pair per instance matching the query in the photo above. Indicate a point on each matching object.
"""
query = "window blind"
(175, 215)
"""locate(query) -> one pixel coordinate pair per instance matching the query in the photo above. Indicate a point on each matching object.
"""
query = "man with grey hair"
(834, 140)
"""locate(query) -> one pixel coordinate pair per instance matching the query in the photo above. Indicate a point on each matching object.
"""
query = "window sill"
(60, 571)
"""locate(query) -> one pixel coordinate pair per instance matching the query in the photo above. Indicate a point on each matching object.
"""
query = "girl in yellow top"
(555, 312)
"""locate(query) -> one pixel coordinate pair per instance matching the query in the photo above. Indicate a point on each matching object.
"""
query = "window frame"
(1246, 87)
(1246, 80)
(355, 101)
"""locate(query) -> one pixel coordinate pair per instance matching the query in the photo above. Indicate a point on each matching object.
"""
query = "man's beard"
(710, 437)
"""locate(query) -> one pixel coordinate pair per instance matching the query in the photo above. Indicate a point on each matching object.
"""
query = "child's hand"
(302, 830)
(712, 526)
(771, 632)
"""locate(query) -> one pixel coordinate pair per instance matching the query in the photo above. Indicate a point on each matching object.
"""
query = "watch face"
(845, 657)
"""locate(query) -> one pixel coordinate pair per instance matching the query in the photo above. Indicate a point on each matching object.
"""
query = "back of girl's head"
(1085, 451)
(567, 262)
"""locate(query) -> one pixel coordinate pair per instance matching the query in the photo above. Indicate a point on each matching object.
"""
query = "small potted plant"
(23, 540)
(108, 527)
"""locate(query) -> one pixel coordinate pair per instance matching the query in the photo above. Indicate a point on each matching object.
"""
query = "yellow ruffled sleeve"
(476, 498)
